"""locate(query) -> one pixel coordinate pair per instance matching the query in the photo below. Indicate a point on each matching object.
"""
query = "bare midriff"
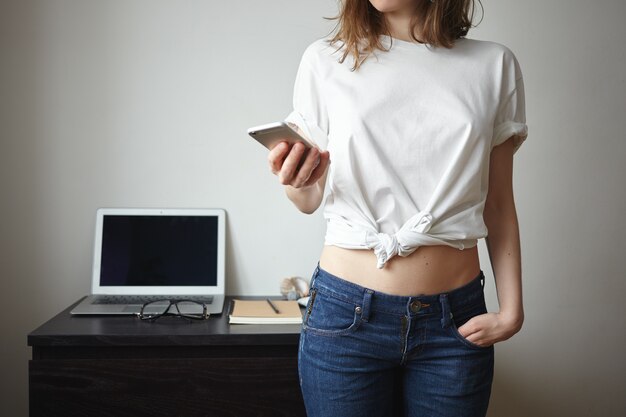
(428, 270)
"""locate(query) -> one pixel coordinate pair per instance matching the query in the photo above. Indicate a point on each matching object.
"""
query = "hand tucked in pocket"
(489, 328)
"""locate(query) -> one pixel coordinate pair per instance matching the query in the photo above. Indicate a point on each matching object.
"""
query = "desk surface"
(120, 365)
(66, 330)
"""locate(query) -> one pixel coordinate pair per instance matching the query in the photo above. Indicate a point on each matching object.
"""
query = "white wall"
(146, 103)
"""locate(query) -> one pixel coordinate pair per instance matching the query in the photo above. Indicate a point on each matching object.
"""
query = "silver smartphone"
(269, 135)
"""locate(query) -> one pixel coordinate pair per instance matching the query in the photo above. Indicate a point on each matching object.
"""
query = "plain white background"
(145, 103)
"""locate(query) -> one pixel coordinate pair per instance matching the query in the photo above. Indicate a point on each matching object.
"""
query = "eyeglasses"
(188, 309)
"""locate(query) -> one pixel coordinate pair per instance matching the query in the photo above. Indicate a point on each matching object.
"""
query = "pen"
(273, 306)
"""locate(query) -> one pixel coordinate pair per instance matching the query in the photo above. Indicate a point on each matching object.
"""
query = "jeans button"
(416, 306)
(358, 310)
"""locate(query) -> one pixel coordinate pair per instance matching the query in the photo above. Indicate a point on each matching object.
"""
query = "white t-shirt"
(409, 135)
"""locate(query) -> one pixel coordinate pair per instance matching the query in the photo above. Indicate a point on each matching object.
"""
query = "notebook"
(142, 255)
(261, 312)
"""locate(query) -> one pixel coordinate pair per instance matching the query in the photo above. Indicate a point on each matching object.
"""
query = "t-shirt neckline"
(388, 40)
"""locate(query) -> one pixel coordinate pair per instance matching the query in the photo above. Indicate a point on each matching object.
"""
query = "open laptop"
(142, 255)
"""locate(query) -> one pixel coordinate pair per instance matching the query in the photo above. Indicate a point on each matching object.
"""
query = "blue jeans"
(367, 353)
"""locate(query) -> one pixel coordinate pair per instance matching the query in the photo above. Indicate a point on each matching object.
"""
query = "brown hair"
(442, 22)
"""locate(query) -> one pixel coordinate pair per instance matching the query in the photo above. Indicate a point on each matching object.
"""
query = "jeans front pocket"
(330, 314)
(460, 317)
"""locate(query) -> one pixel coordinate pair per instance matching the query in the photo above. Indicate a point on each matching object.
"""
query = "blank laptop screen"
(159, 250)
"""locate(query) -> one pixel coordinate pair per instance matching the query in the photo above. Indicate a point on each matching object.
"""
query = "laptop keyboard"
(142, 299)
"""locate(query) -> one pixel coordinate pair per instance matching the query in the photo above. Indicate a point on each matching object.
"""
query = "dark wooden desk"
(121, 366)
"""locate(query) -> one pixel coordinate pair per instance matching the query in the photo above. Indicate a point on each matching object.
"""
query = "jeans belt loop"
(446, 314)
(367, 301)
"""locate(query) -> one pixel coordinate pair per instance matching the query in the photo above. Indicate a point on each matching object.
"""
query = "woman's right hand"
(284, 158)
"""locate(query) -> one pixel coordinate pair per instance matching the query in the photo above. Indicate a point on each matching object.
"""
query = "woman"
(422, 125)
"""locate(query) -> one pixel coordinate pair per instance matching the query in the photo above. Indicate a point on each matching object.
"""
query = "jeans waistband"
(455, 299)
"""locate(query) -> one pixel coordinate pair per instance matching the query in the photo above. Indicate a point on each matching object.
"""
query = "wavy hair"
(442, 22)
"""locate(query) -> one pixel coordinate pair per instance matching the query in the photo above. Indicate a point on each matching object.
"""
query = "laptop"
(143, 255)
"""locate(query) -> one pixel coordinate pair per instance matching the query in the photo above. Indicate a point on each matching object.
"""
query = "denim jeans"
(368, 353)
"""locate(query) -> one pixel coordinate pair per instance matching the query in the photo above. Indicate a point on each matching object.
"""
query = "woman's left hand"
(489, 328)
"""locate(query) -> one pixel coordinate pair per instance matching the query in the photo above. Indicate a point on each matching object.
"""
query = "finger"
(277, 156)
(467, 329)
(310, 162)
(288, 169)
(480, 338)
(472, 337)
(317, 173)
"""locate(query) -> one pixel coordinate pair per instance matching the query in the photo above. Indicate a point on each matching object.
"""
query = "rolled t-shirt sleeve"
(309, 109)
(511, 116)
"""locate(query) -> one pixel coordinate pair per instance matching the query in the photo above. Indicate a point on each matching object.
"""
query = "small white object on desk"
(303, 301)
(294, 287)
